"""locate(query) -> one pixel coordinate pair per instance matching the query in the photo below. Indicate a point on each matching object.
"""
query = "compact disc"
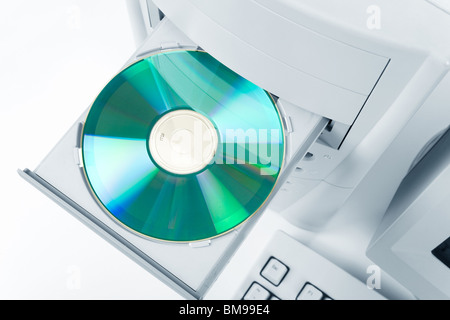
(178, 147)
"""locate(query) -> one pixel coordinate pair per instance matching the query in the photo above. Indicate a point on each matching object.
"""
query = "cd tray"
(190, 269)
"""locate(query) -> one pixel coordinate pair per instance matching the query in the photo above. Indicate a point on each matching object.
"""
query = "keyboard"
(288, 270)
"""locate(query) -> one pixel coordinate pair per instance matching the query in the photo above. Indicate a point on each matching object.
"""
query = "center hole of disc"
(183, 142)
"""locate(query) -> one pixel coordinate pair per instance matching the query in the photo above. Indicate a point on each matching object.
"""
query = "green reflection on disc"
(166, 206)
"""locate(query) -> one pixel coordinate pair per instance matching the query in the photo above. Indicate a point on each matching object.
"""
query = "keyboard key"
(274, 271)
(309, 292)
(274, 298)
(257, 292)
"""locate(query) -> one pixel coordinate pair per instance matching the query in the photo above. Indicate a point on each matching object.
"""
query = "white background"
(55, 57)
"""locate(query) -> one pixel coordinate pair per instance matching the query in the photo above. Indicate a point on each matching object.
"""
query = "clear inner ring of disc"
(183, 142)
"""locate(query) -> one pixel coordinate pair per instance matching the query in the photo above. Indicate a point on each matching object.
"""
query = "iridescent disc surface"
(157, 203)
